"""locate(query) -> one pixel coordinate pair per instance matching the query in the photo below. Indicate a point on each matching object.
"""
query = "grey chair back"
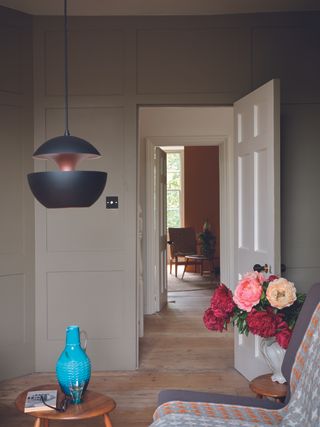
(311, 302)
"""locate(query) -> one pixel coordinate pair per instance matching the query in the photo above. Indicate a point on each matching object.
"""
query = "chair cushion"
(199, 396)
(187, 420)
(222, 411)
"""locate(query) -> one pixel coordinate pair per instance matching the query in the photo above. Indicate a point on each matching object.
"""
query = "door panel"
(257, 201)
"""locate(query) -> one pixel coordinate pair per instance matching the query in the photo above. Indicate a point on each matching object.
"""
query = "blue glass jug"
(73, 368)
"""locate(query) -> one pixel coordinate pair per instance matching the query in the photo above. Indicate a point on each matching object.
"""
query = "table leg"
(37, 422)
(107, 421)
(45, 423)
(185, 267)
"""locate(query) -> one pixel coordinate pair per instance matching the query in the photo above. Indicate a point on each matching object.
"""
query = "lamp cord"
(66, 87)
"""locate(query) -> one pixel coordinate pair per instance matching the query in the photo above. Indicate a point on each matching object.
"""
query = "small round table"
(196, 260)
(93, 405)
(263, 386)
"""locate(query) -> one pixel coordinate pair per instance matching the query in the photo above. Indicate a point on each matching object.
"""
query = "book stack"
(35, 400)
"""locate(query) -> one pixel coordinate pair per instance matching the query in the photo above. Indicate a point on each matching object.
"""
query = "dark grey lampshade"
(66, 144)
(72, 189)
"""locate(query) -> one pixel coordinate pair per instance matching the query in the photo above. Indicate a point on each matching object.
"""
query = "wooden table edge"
(53, 415)
(276, 394)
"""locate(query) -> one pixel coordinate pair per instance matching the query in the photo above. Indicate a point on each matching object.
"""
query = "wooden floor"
(176, 352)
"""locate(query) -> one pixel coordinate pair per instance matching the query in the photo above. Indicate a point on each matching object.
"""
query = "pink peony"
(255, 275)
(248, 291)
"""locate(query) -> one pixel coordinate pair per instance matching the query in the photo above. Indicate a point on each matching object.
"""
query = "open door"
(257, 200)
(161, 228)
(156, 229)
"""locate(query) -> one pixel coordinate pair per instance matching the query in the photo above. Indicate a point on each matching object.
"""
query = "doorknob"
(259, 268)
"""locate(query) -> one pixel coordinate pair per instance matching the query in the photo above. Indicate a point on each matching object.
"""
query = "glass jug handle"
(85, 337)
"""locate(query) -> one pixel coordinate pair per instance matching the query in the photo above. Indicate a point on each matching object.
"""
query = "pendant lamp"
(67, 188)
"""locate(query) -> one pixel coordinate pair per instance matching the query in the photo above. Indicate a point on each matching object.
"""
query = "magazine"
(34, 401)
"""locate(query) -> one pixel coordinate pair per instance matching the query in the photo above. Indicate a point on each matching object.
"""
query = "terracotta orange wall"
(201, 182)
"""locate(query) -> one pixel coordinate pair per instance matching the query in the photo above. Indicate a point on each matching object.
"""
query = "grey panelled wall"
(86, 260)
(17, 296)
(300, 192)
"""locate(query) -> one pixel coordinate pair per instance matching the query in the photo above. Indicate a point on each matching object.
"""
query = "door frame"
(225, 144)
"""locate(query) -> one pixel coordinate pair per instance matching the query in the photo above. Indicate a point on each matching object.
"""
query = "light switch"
(112, 202)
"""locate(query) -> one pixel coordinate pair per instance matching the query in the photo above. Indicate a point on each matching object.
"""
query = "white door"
(257, 204)
(161, 229)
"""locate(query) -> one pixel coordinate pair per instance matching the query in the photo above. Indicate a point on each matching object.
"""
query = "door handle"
(262, 268)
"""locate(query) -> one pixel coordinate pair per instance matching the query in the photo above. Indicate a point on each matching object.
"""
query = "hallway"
(176, 352)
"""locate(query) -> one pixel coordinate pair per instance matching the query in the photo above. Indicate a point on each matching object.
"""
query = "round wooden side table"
(263, 386)
(197, 260)
(93, 405)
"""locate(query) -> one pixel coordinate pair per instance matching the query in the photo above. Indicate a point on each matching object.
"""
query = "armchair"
(182, 242)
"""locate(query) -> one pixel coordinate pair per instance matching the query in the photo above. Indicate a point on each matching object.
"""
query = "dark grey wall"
(17, 290)
(300, 156)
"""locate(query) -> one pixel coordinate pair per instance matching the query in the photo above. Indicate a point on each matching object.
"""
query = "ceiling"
(158, 7)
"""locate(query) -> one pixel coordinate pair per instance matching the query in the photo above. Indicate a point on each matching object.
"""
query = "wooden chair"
(182, 242)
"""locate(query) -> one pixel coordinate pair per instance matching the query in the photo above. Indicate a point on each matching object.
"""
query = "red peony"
(222, 303)
(272, 277)
(220, 313)
(283, 337)
(212, 322)
(263, 323)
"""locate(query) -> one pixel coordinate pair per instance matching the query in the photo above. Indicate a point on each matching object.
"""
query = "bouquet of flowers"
(207, 241)
(268, 307)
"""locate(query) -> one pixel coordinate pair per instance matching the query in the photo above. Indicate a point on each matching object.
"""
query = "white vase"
(273, 354)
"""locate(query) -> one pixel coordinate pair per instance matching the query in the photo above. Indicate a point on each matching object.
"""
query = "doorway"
(180, 126)
(250, 172)
(193, 201)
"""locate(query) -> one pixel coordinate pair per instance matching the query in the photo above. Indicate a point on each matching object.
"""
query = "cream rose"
(281, 293)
